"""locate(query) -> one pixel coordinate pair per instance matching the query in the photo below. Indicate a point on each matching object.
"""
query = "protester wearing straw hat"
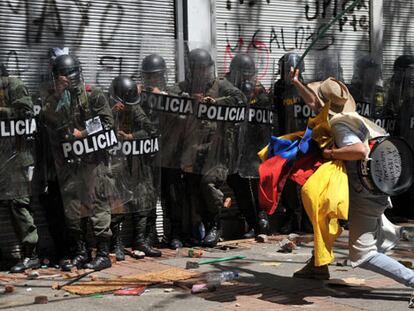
(351, 132)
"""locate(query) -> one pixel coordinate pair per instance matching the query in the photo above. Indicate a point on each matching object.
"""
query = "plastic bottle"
(215, 279)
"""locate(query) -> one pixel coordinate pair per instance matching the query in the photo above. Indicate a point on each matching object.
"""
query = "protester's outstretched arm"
(307, 95)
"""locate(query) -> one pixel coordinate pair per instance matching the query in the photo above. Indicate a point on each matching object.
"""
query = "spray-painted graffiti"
(93, 31)
(268, 39)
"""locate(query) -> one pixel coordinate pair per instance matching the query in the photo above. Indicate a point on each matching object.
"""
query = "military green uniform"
(252, 138)
(85, 183)
(211, 152)
(17, 160)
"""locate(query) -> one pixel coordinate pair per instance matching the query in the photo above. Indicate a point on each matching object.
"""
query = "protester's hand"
(77, 133)
(62, 83)
(125, 136)
(118, 106)
(327, 153)
(294, 75)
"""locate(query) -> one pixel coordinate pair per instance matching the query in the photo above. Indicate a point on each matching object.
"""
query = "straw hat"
(335, 92)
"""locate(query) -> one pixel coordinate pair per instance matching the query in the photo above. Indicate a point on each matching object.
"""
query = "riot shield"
(406, 117)
(211, 145)
(18, 128)
(80, 126)
(292, 112)
(164, 98)
(395, 90)
(365, 85)
(325, 64)
(136, 170)
(254, 132)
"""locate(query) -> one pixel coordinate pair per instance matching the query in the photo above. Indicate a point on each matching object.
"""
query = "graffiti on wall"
(59, 23)
(266, 41)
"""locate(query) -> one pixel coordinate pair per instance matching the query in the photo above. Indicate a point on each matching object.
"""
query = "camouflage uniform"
(88, 177)
(16, 159)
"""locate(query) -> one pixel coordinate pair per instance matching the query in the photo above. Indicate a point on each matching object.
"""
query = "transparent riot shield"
(162, 96)
(211, 145)
(136, 170)
(80, 126)
(395, 90)
(322, 65)
(292, 113)
(406, 116)
(18, 129)
(254, 132)
(366, 85)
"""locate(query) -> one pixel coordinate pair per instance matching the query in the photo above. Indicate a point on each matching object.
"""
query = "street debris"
(40, 300)
(195, 253)
(133, 291)
(286, 246)
(9, 289)
(168, 290)
(262, 238)
(270, 264)
(195, 265)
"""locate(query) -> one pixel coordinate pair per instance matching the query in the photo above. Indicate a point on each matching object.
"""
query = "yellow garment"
(326, 199)
(262, 154)
(321, 129)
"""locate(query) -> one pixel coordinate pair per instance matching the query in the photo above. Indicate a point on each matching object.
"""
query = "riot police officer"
(209, 145)
(137, 174)
(365, 87)
(292, 115)
(252, 137)
(76, 115)
(154, 79)
(17, 165)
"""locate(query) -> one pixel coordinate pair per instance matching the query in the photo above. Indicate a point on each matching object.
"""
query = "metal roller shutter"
(110, 38)
(271, 28)
(398, 32)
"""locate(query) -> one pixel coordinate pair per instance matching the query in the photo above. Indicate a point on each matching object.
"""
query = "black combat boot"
(81, 257)
(141, 243)
(101, 260)
(213, 235)
(117, 246)
(30, 259)
(263, 223)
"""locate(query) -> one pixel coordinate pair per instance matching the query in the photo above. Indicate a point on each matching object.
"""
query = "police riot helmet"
(242, 72)
(328, 65)
(154, 71)
(287, 61)
(153, 63)
(3, 71)
(403, 62)
(70, 67)
(200, 70)
(243, 63)
(123, 89)
(200, 58)
(366, 67)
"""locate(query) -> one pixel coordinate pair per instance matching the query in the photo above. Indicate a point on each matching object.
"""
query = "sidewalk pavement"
(265, 283)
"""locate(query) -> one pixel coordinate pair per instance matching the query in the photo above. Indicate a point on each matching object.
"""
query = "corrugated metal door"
(109, 36)
(269, 29)
(398, 32)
